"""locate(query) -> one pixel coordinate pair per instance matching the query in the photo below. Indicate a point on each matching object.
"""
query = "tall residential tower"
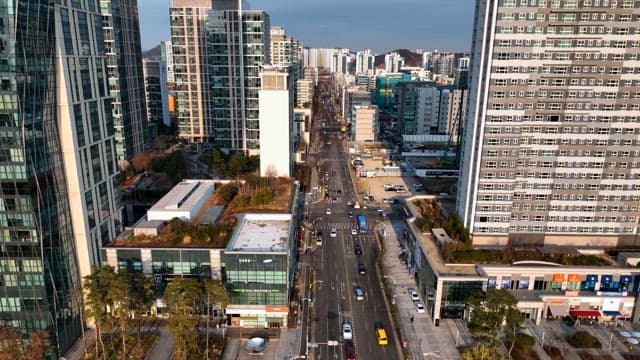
(238, 46)
(125, 76)
(188, 43)
(552, 138)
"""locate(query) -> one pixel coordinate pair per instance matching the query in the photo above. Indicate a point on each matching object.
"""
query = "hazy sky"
(381, 25)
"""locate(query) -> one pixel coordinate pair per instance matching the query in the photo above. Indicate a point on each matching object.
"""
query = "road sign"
(332, 343)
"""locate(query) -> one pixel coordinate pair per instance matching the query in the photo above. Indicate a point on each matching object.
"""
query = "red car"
(349, 350)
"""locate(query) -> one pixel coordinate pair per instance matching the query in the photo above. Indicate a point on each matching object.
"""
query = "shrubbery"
(583, 339)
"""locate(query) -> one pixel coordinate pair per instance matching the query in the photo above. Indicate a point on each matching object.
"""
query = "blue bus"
(362, 224)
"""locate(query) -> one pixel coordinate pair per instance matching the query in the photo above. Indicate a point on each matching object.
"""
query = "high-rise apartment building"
(58, 203)
(393, 62)
(166, 55)
(340, 62)
(156, 94)
(287, 51)
(552, 138)
(365, 62)
(188, 42)
(125, 77)
(235, 80)
(365, 126)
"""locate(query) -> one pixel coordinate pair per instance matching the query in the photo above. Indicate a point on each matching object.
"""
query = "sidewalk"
(424, 339)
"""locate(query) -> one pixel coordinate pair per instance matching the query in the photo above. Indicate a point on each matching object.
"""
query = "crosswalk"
(338, 225)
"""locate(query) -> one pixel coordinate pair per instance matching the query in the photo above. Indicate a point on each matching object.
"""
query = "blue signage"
(592, 278)
(625, 279)
(606, 279)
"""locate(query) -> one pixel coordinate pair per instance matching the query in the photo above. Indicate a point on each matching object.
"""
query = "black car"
(357, 249)
(362, 270)
(350, 214)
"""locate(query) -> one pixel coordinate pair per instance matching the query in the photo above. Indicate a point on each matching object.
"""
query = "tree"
(490, 310)
(142, 297)
(182, 297)
(119, 297)
(97, 302)
(10, 343)
(38, 346)
(215, 294)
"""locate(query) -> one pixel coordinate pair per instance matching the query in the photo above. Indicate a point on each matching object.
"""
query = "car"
(350, 214)
(419, 306)
(334, 232)
(392, 201)
(362, 270)
(347, 332)
(359, 294)
(349, 203)
(380, 212)
(357, 249)
(334, 200)
(338, 191)
(328, 211)
(388, 187)
(354, 231)
(349, 350)
(416, 185)
(414, 294)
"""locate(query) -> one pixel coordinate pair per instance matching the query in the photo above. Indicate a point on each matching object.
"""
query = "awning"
(585, 313)
(611, 313)
(559, 309)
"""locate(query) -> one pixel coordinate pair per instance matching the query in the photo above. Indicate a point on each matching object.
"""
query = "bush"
(583, 339)
(525, 341)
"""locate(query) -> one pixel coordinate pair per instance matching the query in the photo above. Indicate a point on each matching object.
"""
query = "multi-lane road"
(336, 262)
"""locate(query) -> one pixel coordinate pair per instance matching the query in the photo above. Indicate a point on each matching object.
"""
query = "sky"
(381, 25)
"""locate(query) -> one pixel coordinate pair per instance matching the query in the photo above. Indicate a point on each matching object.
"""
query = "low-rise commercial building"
(543, 289)
(259, 265)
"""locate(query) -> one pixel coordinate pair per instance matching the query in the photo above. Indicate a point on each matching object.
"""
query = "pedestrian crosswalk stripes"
(340, 225)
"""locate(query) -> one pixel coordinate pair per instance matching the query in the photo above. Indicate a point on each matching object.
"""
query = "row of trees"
(116, 303)
(233, 165)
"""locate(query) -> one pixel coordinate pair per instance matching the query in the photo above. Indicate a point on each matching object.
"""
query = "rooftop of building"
(214, 223)
(261, 233)
(184, 197)
(452, 258)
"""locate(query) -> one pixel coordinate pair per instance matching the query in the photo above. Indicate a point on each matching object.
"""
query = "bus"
(362, 224)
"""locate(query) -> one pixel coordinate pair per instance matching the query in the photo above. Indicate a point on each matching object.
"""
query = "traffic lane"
(364, 313)
(333, 284)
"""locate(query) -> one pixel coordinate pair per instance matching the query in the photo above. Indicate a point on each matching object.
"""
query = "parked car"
(354, 231)
(328, 211)
(414, 294)
(419, 306)
(334, 232)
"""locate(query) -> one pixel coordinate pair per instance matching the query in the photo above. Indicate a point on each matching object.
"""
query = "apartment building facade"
(190, 69)
(235, 80)
(552, 137)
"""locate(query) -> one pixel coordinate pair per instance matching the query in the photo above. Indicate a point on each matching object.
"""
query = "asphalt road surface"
(336, 263)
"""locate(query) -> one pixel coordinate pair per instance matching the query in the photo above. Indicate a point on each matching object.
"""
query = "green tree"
(142, 297)
(182, 297)
(237, 164)
(490, 310)
(218, 162)
(97, 303)
(215, 294)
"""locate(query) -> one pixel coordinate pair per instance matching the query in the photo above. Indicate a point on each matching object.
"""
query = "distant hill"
(154, 53)
(410, 58)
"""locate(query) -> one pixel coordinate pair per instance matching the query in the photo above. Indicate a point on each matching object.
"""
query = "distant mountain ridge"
(153, 53)
(410, 58)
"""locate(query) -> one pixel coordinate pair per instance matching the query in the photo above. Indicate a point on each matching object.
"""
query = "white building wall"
(275, 133)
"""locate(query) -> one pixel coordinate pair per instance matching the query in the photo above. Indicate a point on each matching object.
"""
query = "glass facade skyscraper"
(57, 165)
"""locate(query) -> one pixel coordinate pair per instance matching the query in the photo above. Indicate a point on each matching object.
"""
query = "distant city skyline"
(357, 24)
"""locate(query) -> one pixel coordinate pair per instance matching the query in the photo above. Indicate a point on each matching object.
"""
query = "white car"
(328, 211)
(347, 332)
(419, 307)
(354, 231)
(334, 232)
(414, 294)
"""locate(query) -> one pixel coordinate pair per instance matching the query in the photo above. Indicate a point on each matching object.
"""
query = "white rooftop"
(183, 201)
(261, 232)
